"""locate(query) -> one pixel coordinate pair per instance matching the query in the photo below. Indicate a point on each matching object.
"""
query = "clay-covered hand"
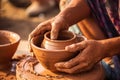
(92, 51)
(54, 25)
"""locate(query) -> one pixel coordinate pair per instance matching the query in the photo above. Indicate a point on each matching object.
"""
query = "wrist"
(111, 46)
(61, 19)
(75, 11)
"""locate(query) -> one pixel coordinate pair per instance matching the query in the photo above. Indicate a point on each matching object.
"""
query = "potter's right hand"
(54, 25)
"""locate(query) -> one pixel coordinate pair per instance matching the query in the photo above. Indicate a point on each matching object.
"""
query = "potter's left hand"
(54, 25)
(92, 51)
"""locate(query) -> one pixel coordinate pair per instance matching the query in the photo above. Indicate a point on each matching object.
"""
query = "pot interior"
(38, 40)
(8, 37)
(63, 35)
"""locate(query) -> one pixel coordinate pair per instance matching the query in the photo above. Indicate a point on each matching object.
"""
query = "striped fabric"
(107, 14)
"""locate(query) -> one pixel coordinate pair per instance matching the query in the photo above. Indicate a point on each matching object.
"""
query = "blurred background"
(22, 16)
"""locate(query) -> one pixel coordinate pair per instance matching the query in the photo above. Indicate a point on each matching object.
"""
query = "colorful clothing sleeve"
(107, 14)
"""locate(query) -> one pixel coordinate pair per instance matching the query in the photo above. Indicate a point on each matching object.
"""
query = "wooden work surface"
(5, 75)
(7, 72)
(29, 69)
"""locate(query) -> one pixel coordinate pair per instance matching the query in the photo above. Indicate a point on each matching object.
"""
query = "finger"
(40, 29)
(35, 32)
(76, 69)
(29, 43)
(69, 64)
(76, 47)
(54, 31)
(30, 48)
(29, 39)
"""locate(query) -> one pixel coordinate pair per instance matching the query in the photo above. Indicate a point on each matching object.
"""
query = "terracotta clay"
(65, 38)
(48, 57)
(8, 44)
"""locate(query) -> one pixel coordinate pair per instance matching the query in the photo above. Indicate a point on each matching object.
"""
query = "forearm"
(91, 29)
(112, 46)
(75, 11)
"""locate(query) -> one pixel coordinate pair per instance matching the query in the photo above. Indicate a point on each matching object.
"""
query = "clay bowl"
(8, 44)
(48, 57)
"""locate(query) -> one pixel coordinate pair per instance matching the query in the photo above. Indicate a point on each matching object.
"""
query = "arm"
(91, 29)
(112, 46)
(75, 11)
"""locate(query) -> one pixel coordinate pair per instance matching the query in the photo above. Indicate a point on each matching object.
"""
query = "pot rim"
(13, 33)
(60, 41)
(33, 45)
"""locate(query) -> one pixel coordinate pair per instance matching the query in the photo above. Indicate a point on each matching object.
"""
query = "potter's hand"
(55, 25)
(91, 52)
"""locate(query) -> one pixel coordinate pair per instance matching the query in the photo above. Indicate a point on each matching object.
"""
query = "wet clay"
(30, 69)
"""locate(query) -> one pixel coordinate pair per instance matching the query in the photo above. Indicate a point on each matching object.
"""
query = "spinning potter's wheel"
(30, 69)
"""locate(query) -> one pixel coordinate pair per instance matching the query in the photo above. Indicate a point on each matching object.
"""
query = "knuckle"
(67, 64)
(73, 61)
(70, 71)
(86, 64)
(74, 45)
(29, 35)
(39, 26)
(89, 68)
(83, 59)
(54, 24)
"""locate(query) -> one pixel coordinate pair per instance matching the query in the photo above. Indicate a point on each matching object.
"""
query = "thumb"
(76, 47)
(55, 30)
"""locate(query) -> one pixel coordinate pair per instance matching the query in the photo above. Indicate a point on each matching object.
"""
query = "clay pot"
(54, 52)
(65, 38)
(8, 44)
